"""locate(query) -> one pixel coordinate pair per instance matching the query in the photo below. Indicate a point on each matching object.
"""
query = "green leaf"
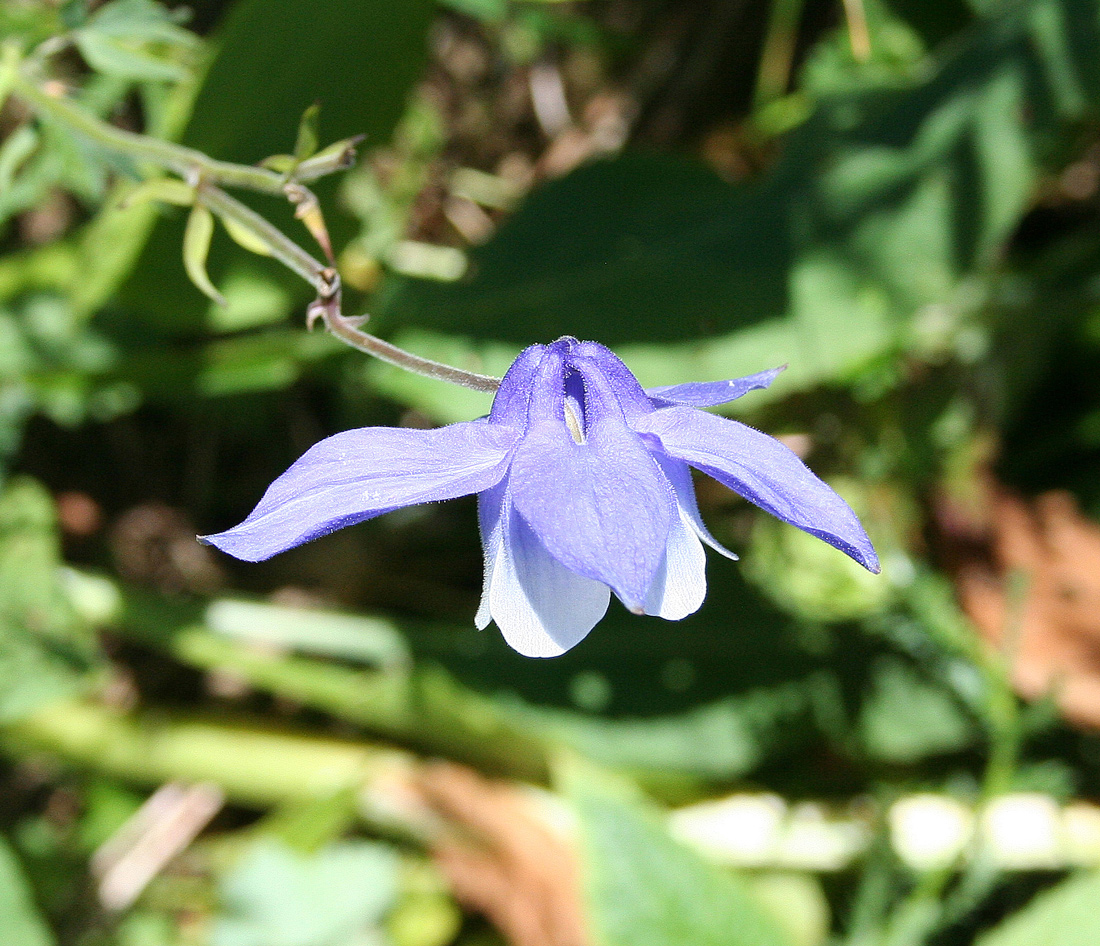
(306, 145)
(18, 146)
(135, 39)
(20, 923)
(358, 59)
(906, 718)
(488, 11)
(244, 237)
(116, 57)
(168, 190)
(883, 203)
(45, 651)
(277, 897)
(196, 248)
(645, 889)
(1065, 915)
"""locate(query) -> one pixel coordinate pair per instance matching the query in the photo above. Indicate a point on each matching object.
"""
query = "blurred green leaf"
(135, 39)
(45, 650)
(308, 140)
(277, 897)
(1065, 915)
(906, 718)
(349, 636)
(882, 203)
(20, 923)
(645, 889)
(358, 59)
(488, 11)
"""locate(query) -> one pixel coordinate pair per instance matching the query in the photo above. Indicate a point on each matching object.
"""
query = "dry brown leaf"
(505, 861)
(1036, 590)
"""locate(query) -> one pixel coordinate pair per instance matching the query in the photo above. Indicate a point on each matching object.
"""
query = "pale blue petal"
(681, 582)
(541, 607)
(359, 474)
(765, 472)
(602, 508)
(510, 402)
(711, 393)
(601, 366)
(678, 474)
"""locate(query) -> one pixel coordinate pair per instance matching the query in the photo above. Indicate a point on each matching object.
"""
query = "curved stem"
(207, 176)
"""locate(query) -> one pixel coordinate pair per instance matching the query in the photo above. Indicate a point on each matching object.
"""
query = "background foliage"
(896, 199)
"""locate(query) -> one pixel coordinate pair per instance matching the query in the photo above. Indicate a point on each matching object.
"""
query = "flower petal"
(678, 474)
(711, 393)
(681, 582)
(602, 508)
(510, 402)
(359, 474)
(490, 505)
(765, 472)
(541, 607)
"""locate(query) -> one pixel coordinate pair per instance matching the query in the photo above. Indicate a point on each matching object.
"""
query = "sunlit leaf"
(277, 897)
(1065, 915)
(20, 923)
(645, 889)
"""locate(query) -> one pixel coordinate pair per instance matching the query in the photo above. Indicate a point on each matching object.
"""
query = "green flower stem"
(179, 159)
(284, 249)
(252, 766)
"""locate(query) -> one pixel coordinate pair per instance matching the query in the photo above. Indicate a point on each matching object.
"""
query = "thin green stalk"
(208, 176)
(179, 159)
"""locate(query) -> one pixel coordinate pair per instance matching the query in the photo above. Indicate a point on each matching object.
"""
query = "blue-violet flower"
(583, 489)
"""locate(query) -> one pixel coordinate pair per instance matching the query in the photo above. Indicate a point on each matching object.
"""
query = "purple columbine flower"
(583, 489)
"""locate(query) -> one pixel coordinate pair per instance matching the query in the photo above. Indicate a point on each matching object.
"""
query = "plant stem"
(207, 176)
(252, 766)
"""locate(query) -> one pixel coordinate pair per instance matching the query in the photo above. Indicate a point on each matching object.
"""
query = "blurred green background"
(896, 199)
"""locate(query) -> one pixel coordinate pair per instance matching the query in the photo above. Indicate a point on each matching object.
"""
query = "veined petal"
(765, 472)
(510, 402)
(359, 474)
(678, 474)
(681, 582)
(711, 393)
(541, 607)
(602, 508)
(600, 365)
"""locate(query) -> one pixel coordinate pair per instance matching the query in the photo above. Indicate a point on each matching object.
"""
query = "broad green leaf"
(882, 205)
(1065, 915)
(277, 897)
(20, 922)
(645, 889)
(906, 718)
